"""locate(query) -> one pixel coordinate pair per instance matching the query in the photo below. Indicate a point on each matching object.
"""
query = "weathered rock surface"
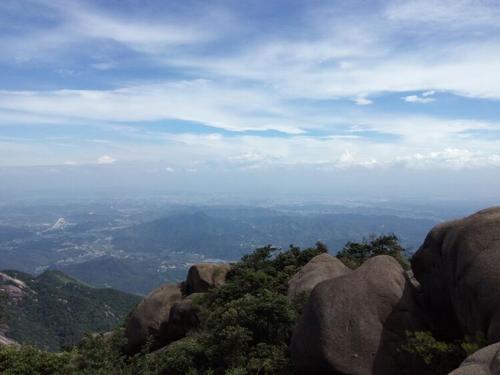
(458, 267)
(149, 316)
(202, 277)
(168, 313)
(183, 317)
(355, 323)
(320, 268)
(13, 288)
(4, 341)
(483, 362)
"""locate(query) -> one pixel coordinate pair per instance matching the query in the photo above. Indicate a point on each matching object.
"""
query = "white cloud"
(231, 108)
(259, 85)
(78, 24)
(361, 100)
(456, 14)
(417, 99)
(423, 142)
(450, 158)
(338, 55)
(106, 159)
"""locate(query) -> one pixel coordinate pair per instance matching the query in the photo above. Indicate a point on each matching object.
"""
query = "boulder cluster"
(169, 312)
(356, 322)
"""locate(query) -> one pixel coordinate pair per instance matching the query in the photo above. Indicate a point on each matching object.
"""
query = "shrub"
(27, 360)
(355, 254)
(441, 357)
(246, 323)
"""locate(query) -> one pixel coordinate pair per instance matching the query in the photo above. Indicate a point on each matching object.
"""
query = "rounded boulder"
(485, 361)
(356, 323)
(205, 276)
(149, 316)
(320, 268)
(458, 267)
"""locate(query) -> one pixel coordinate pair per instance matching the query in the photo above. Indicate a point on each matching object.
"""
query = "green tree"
(246, 323)
(28, 360)
(355, 254)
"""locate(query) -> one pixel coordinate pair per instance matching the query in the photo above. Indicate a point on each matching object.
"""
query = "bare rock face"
(202, 277)
(355, 323)
(5, 341)
(168, 313)
(458, 267)
(320, 268)
(483, 362)
(13, 288)
(183, 317)
(149, 316)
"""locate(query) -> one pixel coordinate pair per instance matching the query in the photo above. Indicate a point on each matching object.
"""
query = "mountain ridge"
(53, 310)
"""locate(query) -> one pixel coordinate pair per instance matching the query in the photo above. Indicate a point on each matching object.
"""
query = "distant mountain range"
(228, 237)
(53, 310)
(136, 248)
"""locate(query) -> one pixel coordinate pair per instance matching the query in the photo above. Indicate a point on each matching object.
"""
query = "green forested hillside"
(131, 275)
(56, 310)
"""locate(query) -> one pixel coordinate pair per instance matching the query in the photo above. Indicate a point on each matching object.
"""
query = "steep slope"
(54, 310)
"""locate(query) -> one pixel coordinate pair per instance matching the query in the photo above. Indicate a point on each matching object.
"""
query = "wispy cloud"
(331, 79)
(106, 159)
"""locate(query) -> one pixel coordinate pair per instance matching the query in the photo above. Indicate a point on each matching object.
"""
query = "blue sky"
(244, 85)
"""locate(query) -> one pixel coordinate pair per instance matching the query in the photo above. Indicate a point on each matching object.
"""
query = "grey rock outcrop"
(14, 289)
(168, 313)
(458, 267)
(320, 268)
(5, 341)
(355, 323)
(183, 317)
(483, 362)
(149, 315)
(204, 276)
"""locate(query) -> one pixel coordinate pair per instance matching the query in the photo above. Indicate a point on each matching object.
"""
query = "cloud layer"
(342, 84)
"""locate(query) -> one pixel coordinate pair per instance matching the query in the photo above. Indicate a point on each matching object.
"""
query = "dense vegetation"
(247, 323)
(57, 310)
(439, 356)
(245, 327)
(355, 254)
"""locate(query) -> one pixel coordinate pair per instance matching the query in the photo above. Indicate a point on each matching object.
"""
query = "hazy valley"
(135, 246)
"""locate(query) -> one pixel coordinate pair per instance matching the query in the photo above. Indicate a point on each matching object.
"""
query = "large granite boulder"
(483, 362)
(458, 267)
(205, 276)
(184, 316)
(356, 323)
(149, 316)
(320, 268)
